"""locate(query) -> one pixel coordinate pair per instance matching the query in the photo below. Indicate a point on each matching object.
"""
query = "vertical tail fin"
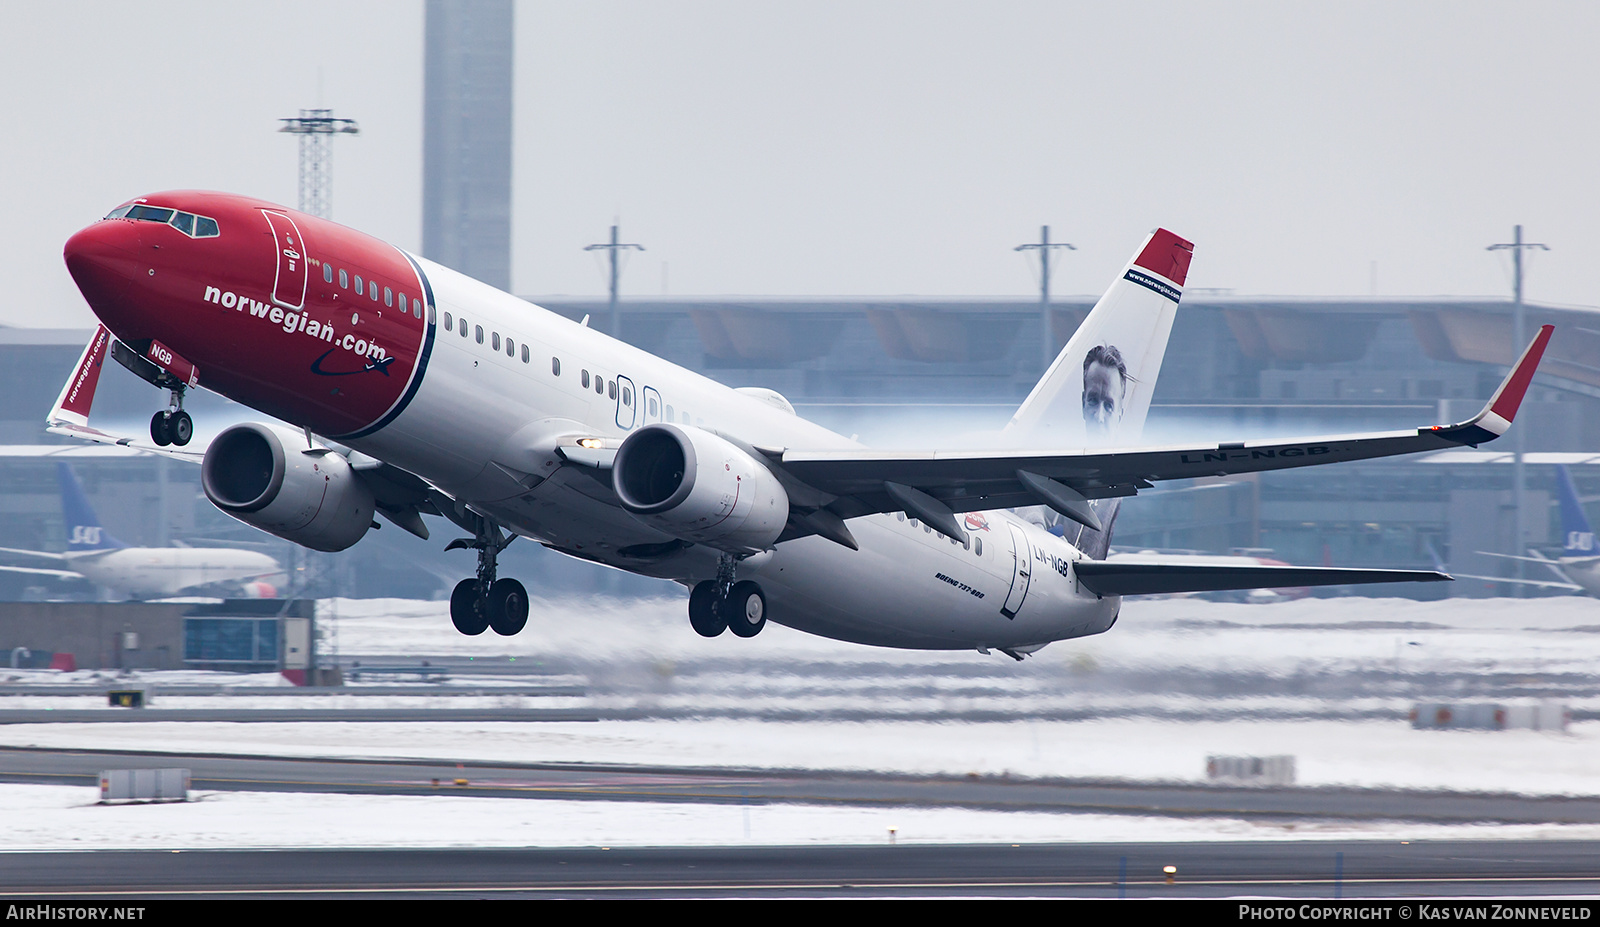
(83, 528)
(1579, 536)
(1099, 388)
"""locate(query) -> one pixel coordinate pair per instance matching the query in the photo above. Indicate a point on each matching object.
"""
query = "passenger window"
(327, 273)
(478, 331)
(463, 328)
(670, 416)
(344, 280)
(372, 289)
(652, 405)
(627, 396)
(977, 546)
(494, 339)
(358, 283)
(400, 300)
(611, 389)
(524, 354)
(555, 366)
(511, 350)
(205, 228)
(447, 322)
(388, 297)
(416, 308)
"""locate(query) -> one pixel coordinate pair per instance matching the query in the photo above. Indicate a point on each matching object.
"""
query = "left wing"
(865, 481)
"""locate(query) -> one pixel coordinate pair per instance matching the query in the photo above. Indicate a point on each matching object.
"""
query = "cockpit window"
(186, 222)
(149, 213)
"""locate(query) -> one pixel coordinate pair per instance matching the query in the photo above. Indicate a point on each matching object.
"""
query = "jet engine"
(699, 487)
(266, 477)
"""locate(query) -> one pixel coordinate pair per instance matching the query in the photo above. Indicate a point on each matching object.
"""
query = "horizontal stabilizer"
(1121, 578)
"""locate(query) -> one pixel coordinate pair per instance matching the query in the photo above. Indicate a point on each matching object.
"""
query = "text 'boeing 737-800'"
(415, 390)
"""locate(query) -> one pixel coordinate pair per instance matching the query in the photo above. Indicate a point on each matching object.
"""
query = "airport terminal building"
(899, 371)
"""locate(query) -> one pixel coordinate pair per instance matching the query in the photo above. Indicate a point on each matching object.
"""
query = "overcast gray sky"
(860, 148)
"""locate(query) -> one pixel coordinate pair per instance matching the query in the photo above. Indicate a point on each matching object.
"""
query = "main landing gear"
(722, 604)
(172, 426)
(486, 602)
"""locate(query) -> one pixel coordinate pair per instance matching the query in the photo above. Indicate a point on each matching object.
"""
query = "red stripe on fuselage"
(335, 365)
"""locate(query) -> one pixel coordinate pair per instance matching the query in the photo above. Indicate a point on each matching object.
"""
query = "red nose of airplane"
(103, 260)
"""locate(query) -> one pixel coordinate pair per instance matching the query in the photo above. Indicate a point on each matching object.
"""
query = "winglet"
(77, 395)
(1496, 417)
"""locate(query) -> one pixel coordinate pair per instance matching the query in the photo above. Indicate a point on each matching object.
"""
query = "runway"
(1325, 870)
(570, 781)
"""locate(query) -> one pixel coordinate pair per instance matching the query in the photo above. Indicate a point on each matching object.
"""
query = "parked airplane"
(448, 397)
(146, 572)
(1578, 567)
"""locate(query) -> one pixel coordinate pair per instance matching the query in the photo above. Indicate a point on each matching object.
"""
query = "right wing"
(862, 481)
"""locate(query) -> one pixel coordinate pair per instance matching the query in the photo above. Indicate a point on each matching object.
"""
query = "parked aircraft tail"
(1579, 540)
(83, 528)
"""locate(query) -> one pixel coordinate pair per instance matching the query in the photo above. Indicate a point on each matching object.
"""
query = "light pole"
(1519, 329)
(1044, 246)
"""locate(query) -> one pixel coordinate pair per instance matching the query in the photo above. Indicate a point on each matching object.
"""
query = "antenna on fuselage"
(316, 128)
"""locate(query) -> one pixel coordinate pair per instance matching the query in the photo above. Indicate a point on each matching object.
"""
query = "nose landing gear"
(485, 602)
(172, 426)
(722, 604)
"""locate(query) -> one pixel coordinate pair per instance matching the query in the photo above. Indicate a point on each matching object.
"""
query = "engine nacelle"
(699, 487)
(264, 476)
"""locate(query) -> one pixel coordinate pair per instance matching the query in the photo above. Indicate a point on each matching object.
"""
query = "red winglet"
(1509, 396)
(1167, 255)
(78, 394)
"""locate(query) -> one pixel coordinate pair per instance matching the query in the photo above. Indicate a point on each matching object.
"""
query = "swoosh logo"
(381, 366)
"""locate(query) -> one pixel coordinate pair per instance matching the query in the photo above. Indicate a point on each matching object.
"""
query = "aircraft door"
(1022, 572)
(289, 288)
(650, 406)
(627, 403)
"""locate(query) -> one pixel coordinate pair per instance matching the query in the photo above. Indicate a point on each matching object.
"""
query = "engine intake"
(255, 473)
(697, 486)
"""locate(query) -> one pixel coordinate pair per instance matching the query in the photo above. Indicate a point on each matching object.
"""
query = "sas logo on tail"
(85, 534)
(1580, 540)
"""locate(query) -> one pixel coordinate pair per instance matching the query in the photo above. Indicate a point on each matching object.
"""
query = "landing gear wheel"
(508, 607)
(180, 427)
(745, 609)
(704, 616)
(469, 608)
(161, 428)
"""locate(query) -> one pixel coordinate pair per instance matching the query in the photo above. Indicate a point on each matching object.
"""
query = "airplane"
(436, 394)
(146, 572)
(1578, 567)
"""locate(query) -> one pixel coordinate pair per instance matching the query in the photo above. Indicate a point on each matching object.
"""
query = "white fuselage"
(483, 426)
(161, 572)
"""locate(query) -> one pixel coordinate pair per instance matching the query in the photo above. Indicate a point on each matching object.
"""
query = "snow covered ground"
(1183, 656)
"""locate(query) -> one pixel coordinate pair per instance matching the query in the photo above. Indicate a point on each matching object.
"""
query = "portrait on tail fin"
(1105, 388)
